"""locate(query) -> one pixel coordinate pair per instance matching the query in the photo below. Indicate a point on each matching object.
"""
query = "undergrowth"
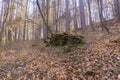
(68, 47)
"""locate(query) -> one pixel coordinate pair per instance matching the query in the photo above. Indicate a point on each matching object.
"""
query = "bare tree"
(43, 16)
(102, 20)
(4, 15)
(90, 16)
(67, 16)
(82, 15)
(117, 8)
(75, 15)
(25, 23)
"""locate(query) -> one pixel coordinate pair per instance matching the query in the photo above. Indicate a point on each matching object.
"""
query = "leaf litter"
(97, 60)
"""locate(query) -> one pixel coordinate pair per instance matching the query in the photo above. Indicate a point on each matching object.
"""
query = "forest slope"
(99, 59)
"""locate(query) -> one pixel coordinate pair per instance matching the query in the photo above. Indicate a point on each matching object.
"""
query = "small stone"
(73, 78)
(87, 64)
(118, 58)
(118, 76)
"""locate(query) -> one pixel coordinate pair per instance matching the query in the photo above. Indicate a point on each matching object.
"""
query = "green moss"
(67, 48)
(117, 41)
(80, 45)
(70, 44)
(89, 73)
(41, 48)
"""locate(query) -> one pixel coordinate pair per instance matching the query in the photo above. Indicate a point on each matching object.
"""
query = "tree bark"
(43, 18)
(100, 9)
(75, 16)
(82, 15)
(90, 17)
(67, 16)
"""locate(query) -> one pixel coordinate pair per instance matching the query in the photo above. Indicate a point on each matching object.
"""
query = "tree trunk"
(45, 25)
(25, 23)
(117, 8)
(75, 16)
(82, 15)
(100, 9)
(4, 15)
(67, 16)
(90, 17)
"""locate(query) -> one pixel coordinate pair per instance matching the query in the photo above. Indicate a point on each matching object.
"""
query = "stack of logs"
(62, 39)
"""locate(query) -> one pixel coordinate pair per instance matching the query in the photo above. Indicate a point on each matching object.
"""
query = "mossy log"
(62, 39)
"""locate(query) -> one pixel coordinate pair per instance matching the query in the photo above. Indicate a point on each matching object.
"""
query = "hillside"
(98, 59)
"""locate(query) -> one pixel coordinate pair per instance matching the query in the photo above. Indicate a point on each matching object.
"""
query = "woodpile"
(62, 39)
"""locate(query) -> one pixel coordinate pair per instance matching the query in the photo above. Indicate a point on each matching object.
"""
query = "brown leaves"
(98, 60)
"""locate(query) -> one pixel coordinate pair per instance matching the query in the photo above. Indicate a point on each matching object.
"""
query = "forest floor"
(99, 59)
